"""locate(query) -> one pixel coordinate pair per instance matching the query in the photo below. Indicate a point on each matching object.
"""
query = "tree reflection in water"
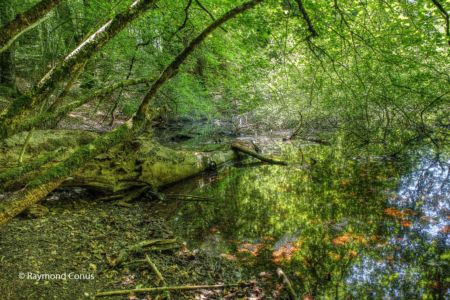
(341, 228)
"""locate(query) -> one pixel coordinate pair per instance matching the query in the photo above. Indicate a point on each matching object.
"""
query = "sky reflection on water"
(344, 227)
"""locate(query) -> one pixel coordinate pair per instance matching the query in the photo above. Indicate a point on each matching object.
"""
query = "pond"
(339, 227)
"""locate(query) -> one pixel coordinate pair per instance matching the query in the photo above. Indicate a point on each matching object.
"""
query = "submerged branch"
(245, 150)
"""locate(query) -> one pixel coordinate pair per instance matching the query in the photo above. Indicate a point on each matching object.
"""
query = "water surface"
(340, 227)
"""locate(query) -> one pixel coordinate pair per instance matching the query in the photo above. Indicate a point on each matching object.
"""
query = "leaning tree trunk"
(7, 66)
(123, 134)
(20, 110)
(24, 21)
(139, 162)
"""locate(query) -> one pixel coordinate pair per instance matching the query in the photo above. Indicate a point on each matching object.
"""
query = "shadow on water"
(341, 228)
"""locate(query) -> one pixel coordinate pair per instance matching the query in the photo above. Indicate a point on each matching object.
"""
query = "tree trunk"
(127, 132)
(19, 110)
(139, 162)
(69, 31)
(23, 22)
(7, 66)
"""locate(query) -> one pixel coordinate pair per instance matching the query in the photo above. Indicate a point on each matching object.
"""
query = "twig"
(209, 13)
(155, 269)
(287, 282)
(186, 16)
(147, 245)
(158, 274)
(172, 288)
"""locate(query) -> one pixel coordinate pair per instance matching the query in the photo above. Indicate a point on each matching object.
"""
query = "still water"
(350, 228)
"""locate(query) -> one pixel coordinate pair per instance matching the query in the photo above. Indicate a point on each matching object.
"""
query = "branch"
(245, 150)
(172, 69)
(173, 288)
(305, 16)
(24, 22)
(73, 77)
(56, 174)
(446, 17)
(83, 52)
(186, 16)
(49, 119)
(209, 13)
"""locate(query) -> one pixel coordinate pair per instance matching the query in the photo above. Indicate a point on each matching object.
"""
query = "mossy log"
(135, 163)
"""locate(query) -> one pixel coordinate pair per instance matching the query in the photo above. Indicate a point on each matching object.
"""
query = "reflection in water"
(416, 252)
(341, 228)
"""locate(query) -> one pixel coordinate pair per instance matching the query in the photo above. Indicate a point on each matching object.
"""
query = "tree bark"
(20, 109)
(132, 128)
(23, 22)
(139, 162)
(7, 65)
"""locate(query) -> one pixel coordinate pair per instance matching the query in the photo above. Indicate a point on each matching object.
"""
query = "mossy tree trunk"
(138, 162)
(23, 22)
(20, 110)
(125, 134)
(7, 66)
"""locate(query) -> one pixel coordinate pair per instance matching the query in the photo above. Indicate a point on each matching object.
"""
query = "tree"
(7, 67)
(24, 22)
(50, 179)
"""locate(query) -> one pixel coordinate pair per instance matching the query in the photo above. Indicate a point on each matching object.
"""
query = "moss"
(83, 154)
(16, 173)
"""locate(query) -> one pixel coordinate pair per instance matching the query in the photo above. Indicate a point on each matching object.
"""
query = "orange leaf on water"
(390, 211)
(285, 252)
(406, 223)
(445, 229)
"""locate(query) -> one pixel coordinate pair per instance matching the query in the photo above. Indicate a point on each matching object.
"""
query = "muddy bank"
(82, 237)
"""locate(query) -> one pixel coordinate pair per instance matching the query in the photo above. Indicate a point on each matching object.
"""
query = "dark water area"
(340, 227)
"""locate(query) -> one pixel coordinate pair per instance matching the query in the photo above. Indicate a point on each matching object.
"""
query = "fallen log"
(241, 148)
(126, 167)
(136, 163)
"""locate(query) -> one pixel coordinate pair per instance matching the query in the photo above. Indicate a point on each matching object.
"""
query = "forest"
(225, 149)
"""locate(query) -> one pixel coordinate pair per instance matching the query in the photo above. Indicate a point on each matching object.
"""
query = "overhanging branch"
(446, 17)
(305, 16)
(24, 22)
